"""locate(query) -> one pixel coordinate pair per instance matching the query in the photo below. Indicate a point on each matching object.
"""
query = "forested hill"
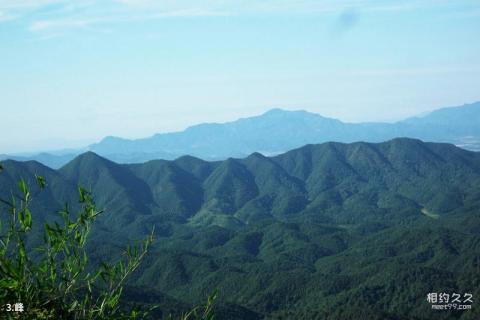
(333, 229)
(336, 182)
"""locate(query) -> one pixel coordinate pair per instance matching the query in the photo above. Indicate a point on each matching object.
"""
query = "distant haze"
(274, 132)
(72, 73)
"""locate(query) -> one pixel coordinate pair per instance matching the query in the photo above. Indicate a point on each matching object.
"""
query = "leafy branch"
(58, 281)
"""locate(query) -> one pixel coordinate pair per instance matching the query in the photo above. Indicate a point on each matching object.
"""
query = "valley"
(323, 231)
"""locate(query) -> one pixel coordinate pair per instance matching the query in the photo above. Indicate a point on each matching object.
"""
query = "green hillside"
(329, 231)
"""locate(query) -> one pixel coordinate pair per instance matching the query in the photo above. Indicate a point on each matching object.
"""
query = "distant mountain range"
(327, 231)
(277, 131)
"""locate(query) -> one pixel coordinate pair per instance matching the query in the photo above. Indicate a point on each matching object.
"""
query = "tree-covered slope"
(45, 203)
(329, 231)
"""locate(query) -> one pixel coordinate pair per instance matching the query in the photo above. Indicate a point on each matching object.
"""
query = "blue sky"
(73, 72)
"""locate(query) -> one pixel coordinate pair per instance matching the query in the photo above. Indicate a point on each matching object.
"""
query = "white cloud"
(70, 14)
(88, 23)
(50, 24)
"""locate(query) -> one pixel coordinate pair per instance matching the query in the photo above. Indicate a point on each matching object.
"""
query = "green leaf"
(73, 306)
(22, 254)
(9, 283)
(40, 181)
(27, 219)
(84, 195)
(23, 187)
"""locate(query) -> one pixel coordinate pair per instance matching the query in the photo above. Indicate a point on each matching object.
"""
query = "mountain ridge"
(314, 178)
(277, 131)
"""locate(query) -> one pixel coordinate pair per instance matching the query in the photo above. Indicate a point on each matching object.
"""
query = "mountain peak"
(283, 112)
(89, 158)
(256, 155)
(89, 155)
(276, 111)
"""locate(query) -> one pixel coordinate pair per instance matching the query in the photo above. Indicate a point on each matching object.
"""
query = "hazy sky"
(72, 72)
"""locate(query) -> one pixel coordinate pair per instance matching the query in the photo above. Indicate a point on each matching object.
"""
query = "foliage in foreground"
(56, 280)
